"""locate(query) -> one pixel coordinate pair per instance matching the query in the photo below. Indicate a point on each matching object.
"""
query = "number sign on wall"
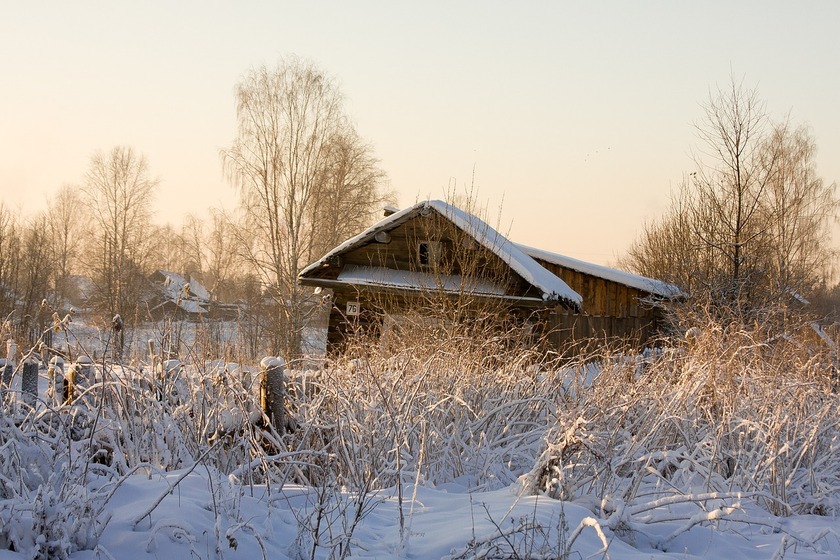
(353, 308)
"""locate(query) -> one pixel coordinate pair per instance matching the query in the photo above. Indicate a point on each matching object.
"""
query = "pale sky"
(576, 118)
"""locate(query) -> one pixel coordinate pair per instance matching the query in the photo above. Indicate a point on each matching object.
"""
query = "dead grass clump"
(729, 410)
(433, 404)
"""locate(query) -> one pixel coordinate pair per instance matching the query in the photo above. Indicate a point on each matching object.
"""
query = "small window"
(428, 253)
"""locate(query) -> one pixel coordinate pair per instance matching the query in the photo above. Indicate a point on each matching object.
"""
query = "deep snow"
(207, 516)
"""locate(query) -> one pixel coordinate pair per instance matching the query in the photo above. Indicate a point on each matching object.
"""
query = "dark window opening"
(428, 253)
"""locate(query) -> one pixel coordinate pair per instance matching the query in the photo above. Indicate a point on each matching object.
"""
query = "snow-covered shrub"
(732, 410)
(60, 462)
(46, 506)
(684, 433)
(431, 405)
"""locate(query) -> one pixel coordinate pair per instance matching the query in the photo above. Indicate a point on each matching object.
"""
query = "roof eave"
(529, 301)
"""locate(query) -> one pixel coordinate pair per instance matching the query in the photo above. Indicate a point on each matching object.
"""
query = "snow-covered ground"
(204, 515)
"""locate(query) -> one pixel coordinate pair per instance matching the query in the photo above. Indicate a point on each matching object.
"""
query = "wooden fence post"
(6, 371)
(273, 392)
(6, 368)
(29, 382)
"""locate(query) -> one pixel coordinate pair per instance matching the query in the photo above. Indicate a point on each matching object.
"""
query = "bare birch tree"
(733, 170)
(799, 209)
(66, 230)
(119, 191)
(290, 120)
(349, 198)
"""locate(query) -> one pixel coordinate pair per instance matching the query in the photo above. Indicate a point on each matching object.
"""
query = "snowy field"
(204, 515)
(435, 449)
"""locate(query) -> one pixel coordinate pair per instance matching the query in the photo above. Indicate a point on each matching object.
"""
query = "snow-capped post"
(29, 381)
(169, 370)
(273, 392)
(79, 376)
(55, 374)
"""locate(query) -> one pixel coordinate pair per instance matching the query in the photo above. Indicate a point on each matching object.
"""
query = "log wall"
(610, 311)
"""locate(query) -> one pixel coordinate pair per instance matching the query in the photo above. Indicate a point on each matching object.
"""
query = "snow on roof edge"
(381, 276)
(649, 285)
(553, 287)
(389, 222)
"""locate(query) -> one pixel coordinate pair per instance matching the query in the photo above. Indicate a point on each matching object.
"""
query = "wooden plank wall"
(341, 326)
(610, 311)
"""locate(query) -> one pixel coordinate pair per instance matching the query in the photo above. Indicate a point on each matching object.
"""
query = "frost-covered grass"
(433, 443)
(728, 412)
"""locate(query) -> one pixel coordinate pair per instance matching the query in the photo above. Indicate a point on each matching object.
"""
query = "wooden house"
(435, 250)
(184, 297)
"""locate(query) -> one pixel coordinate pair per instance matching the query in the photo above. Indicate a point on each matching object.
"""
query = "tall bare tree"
(350, 196)
(119, 192)
(10, 255)
(66, 232)
(799, 209)
(732, 175)
(752, 222)
(290, 124)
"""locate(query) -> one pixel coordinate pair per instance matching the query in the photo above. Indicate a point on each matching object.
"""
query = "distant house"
(434, 247)
(185, 298)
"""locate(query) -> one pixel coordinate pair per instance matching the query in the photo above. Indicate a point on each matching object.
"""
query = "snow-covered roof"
(191, 296)
(381, 276)
(198, 290)
(191, 306)
(649, 285)
(552, 287)
(188, 305)
(174, 285)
